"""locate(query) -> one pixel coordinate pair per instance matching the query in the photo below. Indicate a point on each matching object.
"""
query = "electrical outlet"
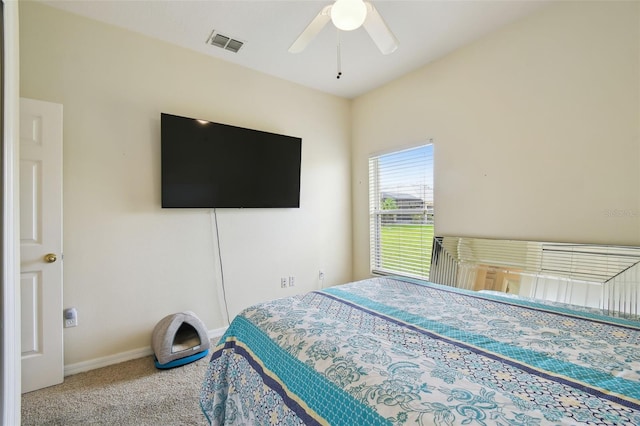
(283, 282)
(70, 317)
(292, 281)
(321, 275)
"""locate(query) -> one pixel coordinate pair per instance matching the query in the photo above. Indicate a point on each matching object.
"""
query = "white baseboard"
(217, 333)
(92, 364)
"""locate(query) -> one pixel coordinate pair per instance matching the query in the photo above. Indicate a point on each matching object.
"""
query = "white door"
(41, 243)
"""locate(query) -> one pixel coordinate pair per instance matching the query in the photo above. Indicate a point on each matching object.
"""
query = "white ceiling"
(426, 29)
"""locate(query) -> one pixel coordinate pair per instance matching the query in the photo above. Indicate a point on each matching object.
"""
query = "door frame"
(10, 369)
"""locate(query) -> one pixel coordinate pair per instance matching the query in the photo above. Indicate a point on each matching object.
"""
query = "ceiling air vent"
(224, 42)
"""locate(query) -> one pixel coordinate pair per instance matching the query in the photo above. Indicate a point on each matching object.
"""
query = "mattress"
(406, 352)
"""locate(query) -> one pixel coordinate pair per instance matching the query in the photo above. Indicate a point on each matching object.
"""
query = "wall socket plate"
(283, 282)
(70, 317)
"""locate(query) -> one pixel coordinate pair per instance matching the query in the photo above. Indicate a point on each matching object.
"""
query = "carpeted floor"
(130, 393)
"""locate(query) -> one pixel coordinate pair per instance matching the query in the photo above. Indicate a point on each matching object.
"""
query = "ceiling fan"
(349, 15)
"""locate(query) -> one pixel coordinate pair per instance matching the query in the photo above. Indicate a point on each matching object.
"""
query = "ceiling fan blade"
(311, 31)
(379, 31)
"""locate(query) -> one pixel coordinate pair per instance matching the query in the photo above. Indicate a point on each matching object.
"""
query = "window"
(401, 211)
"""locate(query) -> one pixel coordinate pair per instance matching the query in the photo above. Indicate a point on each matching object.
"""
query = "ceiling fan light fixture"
(348, 15)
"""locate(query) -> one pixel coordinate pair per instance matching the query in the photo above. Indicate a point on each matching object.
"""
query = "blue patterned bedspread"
(404, 352)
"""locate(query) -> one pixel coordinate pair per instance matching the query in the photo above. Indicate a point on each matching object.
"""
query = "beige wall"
(536, 130)
(128, 262)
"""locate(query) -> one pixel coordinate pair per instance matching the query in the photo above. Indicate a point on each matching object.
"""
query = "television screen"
(206, 164)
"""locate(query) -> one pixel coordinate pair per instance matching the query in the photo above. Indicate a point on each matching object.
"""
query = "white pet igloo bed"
(179, 339)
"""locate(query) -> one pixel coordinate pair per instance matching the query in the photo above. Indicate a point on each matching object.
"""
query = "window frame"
(415, 212)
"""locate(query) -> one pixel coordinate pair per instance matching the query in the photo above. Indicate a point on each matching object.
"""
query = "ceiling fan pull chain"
(339, 55)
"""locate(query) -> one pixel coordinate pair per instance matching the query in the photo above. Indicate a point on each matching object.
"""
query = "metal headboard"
(605, 278)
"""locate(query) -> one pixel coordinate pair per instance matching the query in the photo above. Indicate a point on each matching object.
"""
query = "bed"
(398, 351)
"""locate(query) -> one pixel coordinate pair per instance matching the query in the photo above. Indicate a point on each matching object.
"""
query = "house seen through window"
(401, 211)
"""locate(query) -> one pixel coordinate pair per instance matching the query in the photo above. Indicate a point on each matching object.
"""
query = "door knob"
(50, 258)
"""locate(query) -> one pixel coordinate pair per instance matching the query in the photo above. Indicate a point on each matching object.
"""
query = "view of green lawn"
(407, 247)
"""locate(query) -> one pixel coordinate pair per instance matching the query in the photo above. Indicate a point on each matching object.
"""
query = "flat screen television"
(213, 165)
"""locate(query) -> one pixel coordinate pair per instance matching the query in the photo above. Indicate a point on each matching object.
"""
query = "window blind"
(401, 211)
